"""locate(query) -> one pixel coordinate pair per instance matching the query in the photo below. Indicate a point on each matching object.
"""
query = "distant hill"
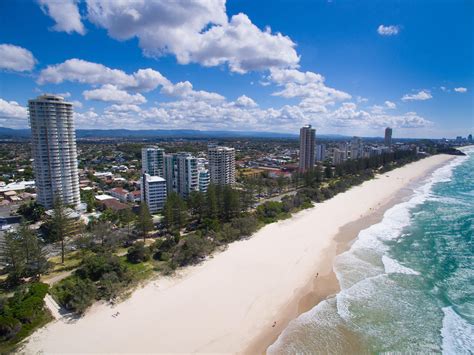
(9, 133)
(14, 133)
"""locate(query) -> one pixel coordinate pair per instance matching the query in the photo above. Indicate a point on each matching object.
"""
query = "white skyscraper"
(182, 173)
(320, 152)
(203, 174)
(53, 139)
(187, 178)
(153, 192)
(152, 161)
(357, 148)
(221, 165)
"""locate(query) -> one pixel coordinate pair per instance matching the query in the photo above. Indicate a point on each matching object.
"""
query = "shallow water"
(407, 283)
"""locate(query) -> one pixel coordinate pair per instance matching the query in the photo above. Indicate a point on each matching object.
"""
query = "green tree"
(212, 204)
(13, 257)
(89, 198)
(75, 294)
(61, 226)
(230, 203)
(138, 253)
(31, 211)
(197, 205)
(327, 170)
(127, 218)
(35, 259)
(174, 212)
(144, 223)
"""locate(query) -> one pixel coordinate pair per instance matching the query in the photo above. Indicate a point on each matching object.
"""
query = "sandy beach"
(239, 300)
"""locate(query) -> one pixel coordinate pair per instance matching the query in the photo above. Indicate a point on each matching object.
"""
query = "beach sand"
(239, 300)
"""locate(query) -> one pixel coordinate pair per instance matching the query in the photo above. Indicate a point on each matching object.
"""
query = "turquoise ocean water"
(407, 283)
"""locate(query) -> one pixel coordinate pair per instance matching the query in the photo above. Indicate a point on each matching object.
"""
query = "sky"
(346, 67)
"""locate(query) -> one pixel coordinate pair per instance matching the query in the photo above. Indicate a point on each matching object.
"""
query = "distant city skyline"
(346, 68)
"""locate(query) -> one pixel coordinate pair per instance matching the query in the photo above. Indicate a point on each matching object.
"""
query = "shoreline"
(326, 285)
(229, 302)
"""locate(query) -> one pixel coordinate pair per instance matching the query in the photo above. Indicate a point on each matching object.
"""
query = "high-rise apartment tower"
(53, 139)
(307, 145)
(221, 165)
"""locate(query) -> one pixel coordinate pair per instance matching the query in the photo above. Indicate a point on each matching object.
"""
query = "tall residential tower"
(388, 137)
(221, 165)
(53, 140)
(307, 145)
(152, 161)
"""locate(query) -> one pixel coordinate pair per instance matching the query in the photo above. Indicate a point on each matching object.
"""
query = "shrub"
(191, 250)
(138, 253)
(75, 294)
(9, 327)
(94, 266)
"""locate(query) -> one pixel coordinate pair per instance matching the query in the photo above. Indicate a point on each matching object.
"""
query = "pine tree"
(212, 204)
(144, 222)
(61, 225)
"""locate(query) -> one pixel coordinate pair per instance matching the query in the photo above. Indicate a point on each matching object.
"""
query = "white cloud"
(444, 88)
(349, 116)
(65, 13)
(12, 109)
(306, 85)
(461, 90)
(420, 96)
(16, 58)
(195, 31)
(245, 101)
(377, 109)
(12, 114)
(82, 71)
(123, 108)
(391, 30)
(391, 105)
(110, 93)
(184, 90)
(77, 104)
(115, 83)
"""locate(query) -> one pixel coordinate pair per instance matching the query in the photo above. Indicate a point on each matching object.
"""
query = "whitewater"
(407, 283)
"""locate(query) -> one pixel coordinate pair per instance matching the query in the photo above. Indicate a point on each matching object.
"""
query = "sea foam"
(394, 267)
(457, 334)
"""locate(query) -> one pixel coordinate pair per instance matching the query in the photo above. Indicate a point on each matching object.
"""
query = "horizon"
(288, 134)
(233, 67)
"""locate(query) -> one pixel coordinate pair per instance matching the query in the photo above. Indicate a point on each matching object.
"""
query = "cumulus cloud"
(391, 30)
(12, 114)
(348, 115)
(66, 15)
(195, 31)
(76, 104)
(460, 90)
(391, 105)
(81, 71)
(245, 101)
(184, 90)
(307, 85)
(16, 58)
(110, 93)
(419, 96)
(12, 109)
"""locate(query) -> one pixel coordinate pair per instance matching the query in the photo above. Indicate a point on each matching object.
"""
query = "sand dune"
(232, 300)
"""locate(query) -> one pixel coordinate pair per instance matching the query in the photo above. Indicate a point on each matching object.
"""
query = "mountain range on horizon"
(161, 133)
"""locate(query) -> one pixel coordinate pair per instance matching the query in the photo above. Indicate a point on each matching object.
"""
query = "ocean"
(407, 283)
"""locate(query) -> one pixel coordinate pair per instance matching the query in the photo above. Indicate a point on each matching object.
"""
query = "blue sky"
(348, 67)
